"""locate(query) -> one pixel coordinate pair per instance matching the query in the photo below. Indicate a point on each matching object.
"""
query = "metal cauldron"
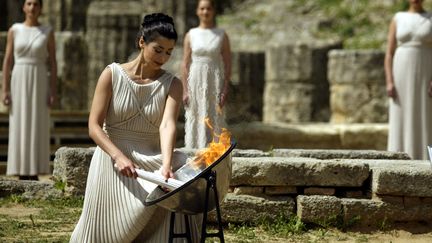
(190, 198)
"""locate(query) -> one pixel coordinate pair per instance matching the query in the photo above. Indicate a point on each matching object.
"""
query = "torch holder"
(210, 177)
(194, 196)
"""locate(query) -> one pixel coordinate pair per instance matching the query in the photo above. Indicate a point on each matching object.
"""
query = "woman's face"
(32, 8)
(205, 11)
(157, 52)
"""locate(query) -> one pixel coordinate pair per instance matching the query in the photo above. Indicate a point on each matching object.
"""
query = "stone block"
(250, 153)
(318, 209)
(249, 209)
(29, 189)
(278, 171)
(71, 167)
(374, 213)
(410, 202)
(72, 70)
(296, 104)
(409, 181)
(372, 136)
(296, 88)
(395, 200)
(354, 194)
(319, 191)
(245, 99)
(249, 190)
(280, 190)
(339, 154)
(356, 86)
(355, 66)
(366, 212)
(267, 136)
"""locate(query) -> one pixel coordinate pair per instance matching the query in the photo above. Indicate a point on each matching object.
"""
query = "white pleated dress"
(114, 208)
(205, 84)
(410, 115)
(29, 122)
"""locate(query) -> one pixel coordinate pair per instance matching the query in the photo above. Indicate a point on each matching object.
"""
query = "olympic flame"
(216, 148)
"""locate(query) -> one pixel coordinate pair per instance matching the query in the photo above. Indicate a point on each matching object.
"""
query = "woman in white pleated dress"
(29, 93)
(133, 122)
(409, 81)
(206, 72)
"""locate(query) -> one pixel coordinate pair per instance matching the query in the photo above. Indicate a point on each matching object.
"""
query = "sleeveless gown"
(29, 122)
(205, 83)
(114, 208)
(410, 115)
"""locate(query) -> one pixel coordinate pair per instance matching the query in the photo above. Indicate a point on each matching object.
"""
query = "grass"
(23, 220)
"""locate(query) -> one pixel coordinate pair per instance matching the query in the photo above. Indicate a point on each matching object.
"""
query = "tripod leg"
(218, 214)
(204, 220)
(188, 232)
(171, 229)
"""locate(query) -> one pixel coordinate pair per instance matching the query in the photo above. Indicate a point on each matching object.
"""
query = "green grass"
(38, 220)
(23, 220)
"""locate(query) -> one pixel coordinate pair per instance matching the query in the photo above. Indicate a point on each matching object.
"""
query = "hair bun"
(150, 19)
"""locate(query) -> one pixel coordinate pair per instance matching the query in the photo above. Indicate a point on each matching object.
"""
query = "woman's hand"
(223, 97)
(391, 91)
(125, 166)
(51, 99)
(185, 99)
(430, 89)
(166, 172)
(7, 98)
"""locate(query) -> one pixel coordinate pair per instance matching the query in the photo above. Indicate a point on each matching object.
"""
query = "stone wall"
(72, 70)
(357, 86)
(366, 188)
(245, 98)
(112, 28)
(296, 88)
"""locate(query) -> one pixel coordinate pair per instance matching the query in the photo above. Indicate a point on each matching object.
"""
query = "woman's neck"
(206, 25)
(31, 22)
(416, 9)
(141, 69)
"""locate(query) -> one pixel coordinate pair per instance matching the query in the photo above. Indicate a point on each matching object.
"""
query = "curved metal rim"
(167, 195)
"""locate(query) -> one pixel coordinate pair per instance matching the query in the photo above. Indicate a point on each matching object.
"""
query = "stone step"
(285, 171)
(268, 136)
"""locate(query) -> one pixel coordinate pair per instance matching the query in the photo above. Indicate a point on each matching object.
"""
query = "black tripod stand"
(210, 178)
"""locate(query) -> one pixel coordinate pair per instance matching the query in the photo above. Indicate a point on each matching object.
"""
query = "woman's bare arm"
(187, 58)
(98, 112)
(167, 128)
(388, 61)
(226, 56)
(7, 67)
(53, 69)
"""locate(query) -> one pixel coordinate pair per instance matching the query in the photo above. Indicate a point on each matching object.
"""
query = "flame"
(220, 143)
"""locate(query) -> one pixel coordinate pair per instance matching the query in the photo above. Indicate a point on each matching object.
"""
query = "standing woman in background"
(408, 72)
(29, 93)
(206, 72)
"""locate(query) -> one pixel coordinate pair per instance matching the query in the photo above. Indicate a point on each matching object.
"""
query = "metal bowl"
(190, 197)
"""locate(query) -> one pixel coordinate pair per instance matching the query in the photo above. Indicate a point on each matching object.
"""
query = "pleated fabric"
(29, 121)
(410, 114)
(114, 208)
(205, 84)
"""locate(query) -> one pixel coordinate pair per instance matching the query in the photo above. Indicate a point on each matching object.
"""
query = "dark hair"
(155, 25)
(212, 3)
(40, 2)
